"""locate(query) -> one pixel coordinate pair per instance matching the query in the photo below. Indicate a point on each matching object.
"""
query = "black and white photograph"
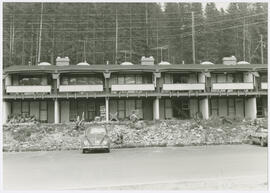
(134, 96)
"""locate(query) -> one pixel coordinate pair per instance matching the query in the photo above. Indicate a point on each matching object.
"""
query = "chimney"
(229, 60)
(147, 60)
(62, 61)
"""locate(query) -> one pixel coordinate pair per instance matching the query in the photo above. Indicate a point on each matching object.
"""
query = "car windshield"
(98, 130)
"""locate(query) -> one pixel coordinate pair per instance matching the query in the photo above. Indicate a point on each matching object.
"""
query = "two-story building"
(59, 93)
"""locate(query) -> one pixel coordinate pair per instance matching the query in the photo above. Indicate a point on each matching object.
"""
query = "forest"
(116, 32)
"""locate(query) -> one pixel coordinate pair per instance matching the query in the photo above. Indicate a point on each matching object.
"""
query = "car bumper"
(93, 147)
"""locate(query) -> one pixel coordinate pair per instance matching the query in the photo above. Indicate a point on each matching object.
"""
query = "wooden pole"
(262, 49)
(244, 41)
(116, 36)
(40, 33)
(193, 38)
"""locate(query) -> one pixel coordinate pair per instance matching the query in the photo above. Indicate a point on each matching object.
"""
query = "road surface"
(221, 167)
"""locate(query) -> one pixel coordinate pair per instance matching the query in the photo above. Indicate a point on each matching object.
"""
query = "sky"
(219, 5)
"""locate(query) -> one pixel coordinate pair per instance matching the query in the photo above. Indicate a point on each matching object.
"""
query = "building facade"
(62, 92)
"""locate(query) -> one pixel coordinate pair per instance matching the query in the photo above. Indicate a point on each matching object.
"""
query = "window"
(91, 111)
(214, 107)
(43, 111)
(264, 78)
(81, 80)
(25, 108)
(29, 80)
(180, 78)
(238, 78)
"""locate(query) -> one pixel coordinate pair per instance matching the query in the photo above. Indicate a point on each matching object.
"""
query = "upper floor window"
(264, 78)
(80, 80)
(32, 80)
(229, 78)
(131, 79)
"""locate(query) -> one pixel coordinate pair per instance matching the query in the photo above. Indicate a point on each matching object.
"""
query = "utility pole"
(116, 36)
(84, 54)
(146, 23)
(23, 49)
(10, 41)
(262, 49)
(32, 46)
(130, 34)
(244, 41)
(193, 38)
(40, 33)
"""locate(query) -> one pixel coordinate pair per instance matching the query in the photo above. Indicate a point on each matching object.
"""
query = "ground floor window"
(38, 109)
(231, 107)
(124, 108)
(87, 108)
(261, 106)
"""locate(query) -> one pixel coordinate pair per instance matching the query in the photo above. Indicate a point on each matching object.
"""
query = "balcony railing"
(233, 86)
(29, 89)
(185, 86)
(80, 88)
(133, 87)
(264, 85)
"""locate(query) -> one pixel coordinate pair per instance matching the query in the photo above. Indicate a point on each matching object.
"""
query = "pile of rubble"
(18, 118)
(34, 137)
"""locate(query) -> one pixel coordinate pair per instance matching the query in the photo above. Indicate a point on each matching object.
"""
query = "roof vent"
(126, 63)
(243, 62)
(62, 61)
(147, 60)
(164, 63)
(83, 64)
(44, 64)
(229, 60)
(207, 63)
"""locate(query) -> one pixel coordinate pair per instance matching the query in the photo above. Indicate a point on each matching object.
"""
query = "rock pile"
(34, 137)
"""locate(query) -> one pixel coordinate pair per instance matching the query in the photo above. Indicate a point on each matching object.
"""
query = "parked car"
(95, 138)
(260, 136)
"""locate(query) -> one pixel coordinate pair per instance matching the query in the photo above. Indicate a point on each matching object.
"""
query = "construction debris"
(47, 137)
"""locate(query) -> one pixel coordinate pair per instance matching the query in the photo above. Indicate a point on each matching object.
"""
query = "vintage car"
(95, 138)
(260, 136)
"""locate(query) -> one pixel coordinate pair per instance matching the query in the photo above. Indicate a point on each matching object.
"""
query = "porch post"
(156, 109)
(204, 107)
(107, 108)
(56, 111)
(6, 110)
(251, 108)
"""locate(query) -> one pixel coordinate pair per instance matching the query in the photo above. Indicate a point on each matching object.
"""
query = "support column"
(6, 110)
(107, 109)
(250, 108)
(156, 109)
(56, 111)
(204, 108)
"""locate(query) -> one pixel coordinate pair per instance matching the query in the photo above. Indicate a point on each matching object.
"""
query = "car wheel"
(108, 150)
(83, 151)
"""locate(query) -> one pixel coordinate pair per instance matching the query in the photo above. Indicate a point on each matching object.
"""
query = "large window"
(124, 108)
(131, 79)
(229, 78)
(29, 80)
(81, 80)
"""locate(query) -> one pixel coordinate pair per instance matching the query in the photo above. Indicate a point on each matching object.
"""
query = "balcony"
(133, 87)
(264, 85)
(29, 89)
(233, 86)
(81, 88)
(183, 87)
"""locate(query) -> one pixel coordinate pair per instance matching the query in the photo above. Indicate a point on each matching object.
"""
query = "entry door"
(81, 105)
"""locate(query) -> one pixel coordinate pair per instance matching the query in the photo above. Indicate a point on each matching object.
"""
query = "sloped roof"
(138, 68)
